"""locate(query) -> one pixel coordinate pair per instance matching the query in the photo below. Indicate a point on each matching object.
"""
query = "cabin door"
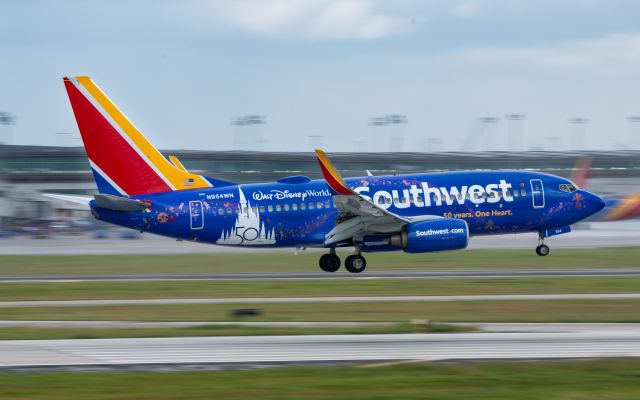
(537, 193)
(195, 212)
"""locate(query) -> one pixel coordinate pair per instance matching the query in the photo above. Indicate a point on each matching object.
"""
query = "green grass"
(472, 311)
(308, 262)
(524, 380)
(32, 333)
(301, 288)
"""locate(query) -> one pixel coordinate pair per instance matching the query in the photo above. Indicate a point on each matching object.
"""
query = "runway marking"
(377, 349)
(369, 275)
(337, 299)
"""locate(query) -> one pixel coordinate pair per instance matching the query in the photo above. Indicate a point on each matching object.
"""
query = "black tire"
(538, 250)
(542, 250)
(329, 263)
(355, 263)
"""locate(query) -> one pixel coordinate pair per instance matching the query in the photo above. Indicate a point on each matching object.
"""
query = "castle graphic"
(248, 229)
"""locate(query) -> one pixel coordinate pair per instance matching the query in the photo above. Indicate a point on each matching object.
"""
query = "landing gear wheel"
(355, 263)
(542, 250)
(329, 262)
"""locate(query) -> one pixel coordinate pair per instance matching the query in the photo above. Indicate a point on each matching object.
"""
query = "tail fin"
(123, 161)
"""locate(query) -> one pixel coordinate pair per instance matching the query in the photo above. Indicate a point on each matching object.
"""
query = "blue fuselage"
(300, 212)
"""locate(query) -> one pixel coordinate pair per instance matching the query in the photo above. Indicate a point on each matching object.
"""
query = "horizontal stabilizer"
(83, 200)
(118, 203)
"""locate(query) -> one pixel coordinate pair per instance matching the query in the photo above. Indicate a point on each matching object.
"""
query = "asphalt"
(589, 235)
(585, 342)
(327, 299)
(272, 276)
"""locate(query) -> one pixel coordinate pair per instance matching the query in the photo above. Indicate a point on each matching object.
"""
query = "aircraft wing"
(358, 215)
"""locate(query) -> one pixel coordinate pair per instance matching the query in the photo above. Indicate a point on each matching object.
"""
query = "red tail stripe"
(103, 144)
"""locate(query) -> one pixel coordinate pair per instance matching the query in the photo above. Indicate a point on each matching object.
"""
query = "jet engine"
(435, 235)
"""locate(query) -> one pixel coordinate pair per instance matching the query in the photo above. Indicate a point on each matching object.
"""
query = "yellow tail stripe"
(178, 178)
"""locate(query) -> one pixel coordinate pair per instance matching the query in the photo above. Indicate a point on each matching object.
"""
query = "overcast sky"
(183, 70)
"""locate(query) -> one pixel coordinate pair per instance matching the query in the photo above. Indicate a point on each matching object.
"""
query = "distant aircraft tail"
(123, 161)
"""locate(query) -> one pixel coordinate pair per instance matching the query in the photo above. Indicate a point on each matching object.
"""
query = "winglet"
(331, 175)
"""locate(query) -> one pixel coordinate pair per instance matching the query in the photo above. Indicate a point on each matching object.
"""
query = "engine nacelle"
(435, 235)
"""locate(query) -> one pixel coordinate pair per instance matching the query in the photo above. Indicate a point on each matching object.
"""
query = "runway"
(591, 235)
(327, 299)
(274, 276)
(320, 348)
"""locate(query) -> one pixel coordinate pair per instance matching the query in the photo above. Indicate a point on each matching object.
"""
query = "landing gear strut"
(542, 249)
(330, 262)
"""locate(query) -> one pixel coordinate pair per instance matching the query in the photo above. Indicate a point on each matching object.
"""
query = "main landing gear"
(354, 263)
(542, 249)
(330, 262)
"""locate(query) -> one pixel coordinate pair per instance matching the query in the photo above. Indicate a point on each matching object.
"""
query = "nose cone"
(592, 203)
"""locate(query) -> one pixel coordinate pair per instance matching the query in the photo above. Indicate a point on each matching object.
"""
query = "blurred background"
(245, 90)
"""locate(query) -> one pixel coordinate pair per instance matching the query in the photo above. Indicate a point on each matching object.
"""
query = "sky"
(318, 71)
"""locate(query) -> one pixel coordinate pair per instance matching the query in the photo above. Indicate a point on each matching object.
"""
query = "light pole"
(248, 121)
(476, 134)
(579, 132)
(6, 118)
(514, 131)
(633, 122)
(396, 141)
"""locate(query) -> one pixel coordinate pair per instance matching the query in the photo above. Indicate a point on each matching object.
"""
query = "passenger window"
(220, 211)
(278, 208)
(311, 206)
(254, 209)
(261, 209)
(303, 206)
(523, 193)
(389, 200)
(229, 211)
(327, 204)
(515, 193)
(319, 205)
(294, 206)
(286, 207)
(270, 208)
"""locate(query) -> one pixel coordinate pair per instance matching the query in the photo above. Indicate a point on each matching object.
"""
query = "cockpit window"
(568, 187)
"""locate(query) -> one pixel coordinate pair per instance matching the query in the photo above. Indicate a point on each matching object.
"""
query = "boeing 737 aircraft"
(141, 189)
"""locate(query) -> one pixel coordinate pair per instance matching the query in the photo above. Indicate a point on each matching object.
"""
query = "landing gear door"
(195, 212)
(537, 193)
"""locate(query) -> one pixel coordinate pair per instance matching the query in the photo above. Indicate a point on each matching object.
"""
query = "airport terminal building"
(28, 171)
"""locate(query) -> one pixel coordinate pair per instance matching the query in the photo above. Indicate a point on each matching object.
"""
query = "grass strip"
(308, 262)
(42, 333)
(523, 380)
(375, 287)
(467, 311)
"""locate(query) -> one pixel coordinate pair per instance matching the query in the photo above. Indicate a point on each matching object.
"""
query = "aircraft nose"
(592, 203)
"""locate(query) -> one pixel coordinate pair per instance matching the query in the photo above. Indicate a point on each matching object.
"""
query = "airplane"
(417, 213)
(615, 209)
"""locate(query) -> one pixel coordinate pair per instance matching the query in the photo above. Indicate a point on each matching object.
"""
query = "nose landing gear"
(542, 249)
